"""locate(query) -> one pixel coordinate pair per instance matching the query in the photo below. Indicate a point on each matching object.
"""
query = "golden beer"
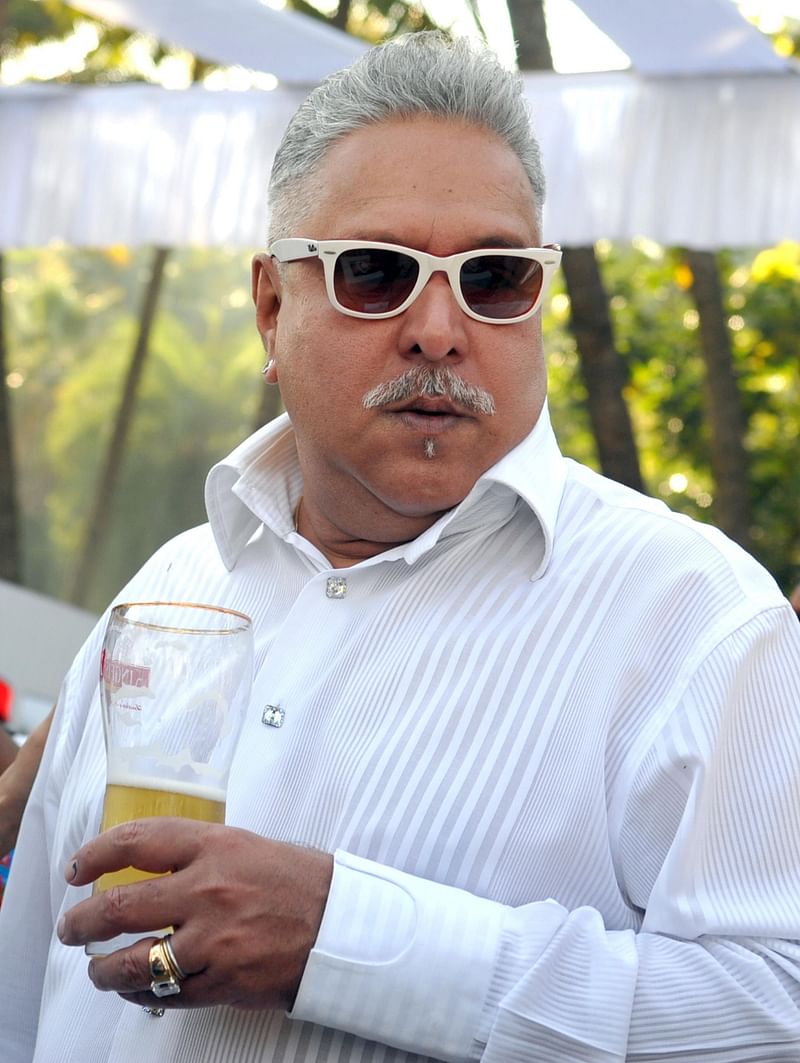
(125, 802)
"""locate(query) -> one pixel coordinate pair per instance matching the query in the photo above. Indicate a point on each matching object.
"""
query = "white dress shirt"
(555, 744)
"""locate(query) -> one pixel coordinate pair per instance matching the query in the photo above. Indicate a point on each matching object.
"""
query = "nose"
(434, 326)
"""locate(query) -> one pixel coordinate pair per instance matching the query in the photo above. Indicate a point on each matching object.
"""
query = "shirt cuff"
(402, 960)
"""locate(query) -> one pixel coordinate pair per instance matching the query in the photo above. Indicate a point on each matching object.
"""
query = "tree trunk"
(99, 518)
(9, 514)
(530, 32)
(723, 402)
(604, 370)
(339, 19)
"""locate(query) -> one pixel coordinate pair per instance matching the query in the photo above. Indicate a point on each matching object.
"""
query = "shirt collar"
(260, 483)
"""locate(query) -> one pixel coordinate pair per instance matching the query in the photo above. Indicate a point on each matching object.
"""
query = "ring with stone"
(165, 972)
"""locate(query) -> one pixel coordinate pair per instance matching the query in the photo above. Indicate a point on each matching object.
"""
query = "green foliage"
(72, 323)
(33, 21)
(768, 306)
(376, 20)
(119, 54)
(655, 327)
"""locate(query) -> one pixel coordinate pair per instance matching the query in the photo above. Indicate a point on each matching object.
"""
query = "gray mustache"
(431, 382)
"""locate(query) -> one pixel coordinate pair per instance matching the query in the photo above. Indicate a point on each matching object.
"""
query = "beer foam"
(172, 786)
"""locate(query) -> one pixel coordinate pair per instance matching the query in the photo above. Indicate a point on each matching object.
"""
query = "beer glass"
(175, 680)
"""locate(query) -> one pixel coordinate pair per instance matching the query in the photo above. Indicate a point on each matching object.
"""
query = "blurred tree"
(28, 22)
(372, 20)
(603, 369)
(98, 522)
(9, 512)
(341, 15)
(73, 319)
(726, 419)
(530, 32)
(99, 513)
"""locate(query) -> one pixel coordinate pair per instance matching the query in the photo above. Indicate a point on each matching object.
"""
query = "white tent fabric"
(295, 48)
(137, 164)
(684, 36)
(701, 162)
(697, 162)
(677, 37)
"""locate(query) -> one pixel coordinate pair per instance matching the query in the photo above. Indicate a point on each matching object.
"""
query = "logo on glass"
(117, 674)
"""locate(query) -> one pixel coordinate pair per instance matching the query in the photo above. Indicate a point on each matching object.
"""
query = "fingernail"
(72, 871)
(61, 927)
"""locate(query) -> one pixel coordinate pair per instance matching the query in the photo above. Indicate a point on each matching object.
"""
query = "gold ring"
(169, 952)
(165, 971)
(158, 962)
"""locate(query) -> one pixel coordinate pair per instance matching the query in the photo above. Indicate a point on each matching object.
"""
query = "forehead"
(423, 181)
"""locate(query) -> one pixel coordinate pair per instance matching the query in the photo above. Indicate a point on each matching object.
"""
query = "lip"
(428, 415)
(429, 424)
(424, 404)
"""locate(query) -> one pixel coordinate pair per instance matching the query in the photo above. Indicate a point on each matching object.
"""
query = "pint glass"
(175, 681)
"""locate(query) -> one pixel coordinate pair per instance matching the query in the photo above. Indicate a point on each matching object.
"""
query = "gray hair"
(422, 73)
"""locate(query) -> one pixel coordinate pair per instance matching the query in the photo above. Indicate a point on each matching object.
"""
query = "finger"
(138, 908)
(127, 971)
(202, 991)
(196, 992)
(158, 844)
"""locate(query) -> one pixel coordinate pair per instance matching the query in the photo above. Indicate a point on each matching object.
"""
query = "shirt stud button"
(336, 587)
(273, 716)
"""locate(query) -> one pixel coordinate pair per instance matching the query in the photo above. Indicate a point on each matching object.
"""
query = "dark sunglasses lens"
(372, 281)
(501, 286)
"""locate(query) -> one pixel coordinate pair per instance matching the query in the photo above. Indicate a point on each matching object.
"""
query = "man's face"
(436, 186)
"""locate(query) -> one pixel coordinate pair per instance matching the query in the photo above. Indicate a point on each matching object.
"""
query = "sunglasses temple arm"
(294, 248)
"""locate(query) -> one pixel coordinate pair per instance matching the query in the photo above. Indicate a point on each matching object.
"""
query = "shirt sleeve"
(25, 926)
(30, 906)
(707, 847)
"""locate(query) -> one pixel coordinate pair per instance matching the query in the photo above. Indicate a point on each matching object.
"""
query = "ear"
(266, 290)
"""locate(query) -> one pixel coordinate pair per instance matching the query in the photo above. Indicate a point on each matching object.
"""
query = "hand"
(245, 911)
(12, 805)
(8, 749)
(16, 782)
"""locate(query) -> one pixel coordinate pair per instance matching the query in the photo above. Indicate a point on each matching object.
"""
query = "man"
(549, 730)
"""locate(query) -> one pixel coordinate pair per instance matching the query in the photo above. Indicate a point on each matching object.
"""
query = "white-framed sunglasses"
(373, 280)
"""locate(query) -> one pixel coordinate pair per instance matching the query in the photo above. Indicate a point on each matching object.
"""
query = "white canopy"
(676, 37)
(707, 159)
(295, 48)
(703, 162)
(684, 36)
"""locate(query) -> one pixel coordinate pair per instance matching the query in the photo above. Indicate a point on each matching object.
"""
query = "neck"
(347, 539)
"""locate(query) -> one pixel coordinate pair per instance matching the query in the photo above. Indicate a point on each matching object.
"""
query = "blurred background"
(135, 144)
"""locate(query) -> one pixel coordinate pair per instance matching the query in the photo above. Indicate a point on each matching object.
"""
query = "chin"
(424, 487)
(424, 504)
